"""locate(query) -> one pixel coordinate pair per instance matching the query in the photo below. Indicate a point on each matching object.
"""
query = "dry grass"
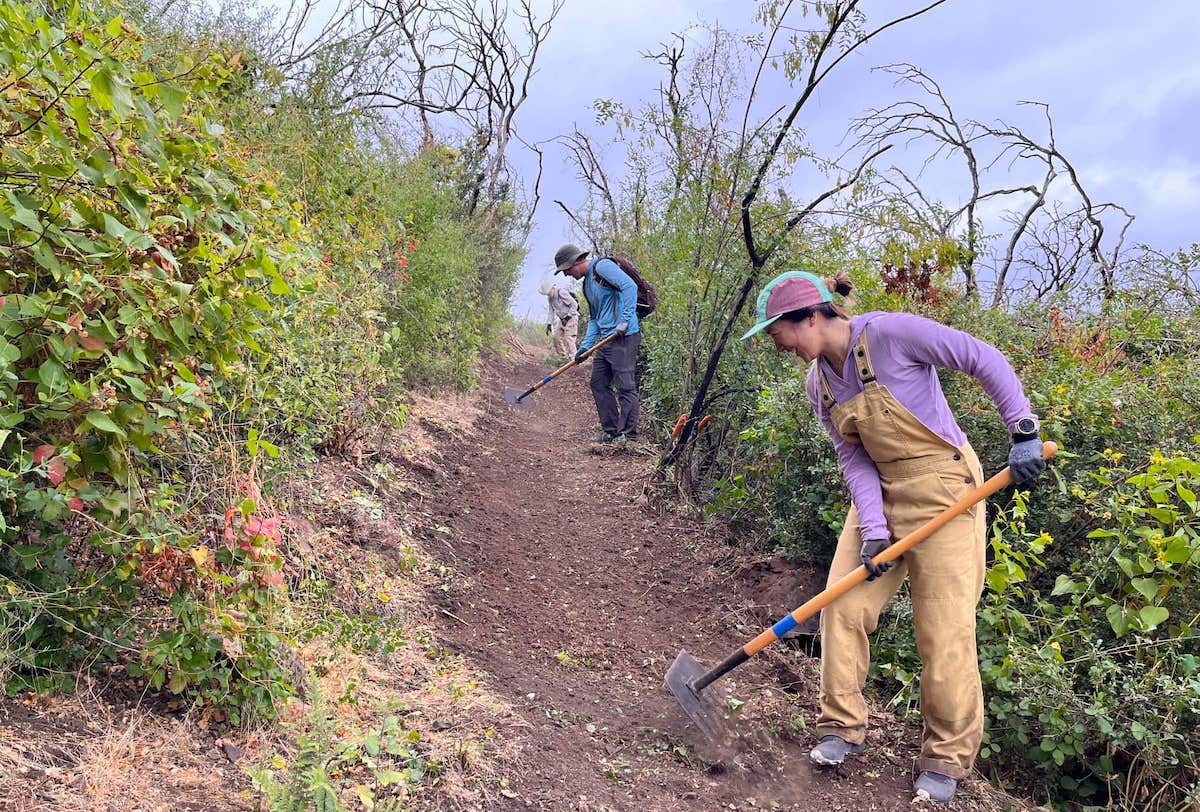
(157, 764)
(364, 574)
(86, 752)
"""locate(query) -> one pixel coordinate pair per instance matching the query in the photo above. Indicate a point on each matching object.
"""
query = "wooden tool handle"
(857, 576)
(564, 368)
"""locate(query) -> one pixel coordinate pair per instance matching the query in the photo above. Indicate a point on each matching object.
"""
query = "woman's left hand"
(870, 549)
(1025, 460)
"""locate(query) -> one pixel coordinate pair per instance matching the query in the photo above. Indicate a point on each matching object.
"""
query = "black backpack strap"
(600, 279)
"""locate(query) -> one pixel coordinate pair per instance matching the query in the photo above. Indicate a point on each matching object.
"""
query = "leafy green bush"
(184, 298)
(1097, 679)
(140, 262)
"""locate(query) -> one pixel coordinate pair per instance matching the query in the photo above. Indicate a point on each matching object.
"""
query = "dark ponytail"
(840, 283)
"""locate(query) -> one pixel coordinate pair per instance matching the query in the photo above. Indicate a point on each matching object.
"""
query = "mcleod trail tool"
(687, 678)
(515, 397)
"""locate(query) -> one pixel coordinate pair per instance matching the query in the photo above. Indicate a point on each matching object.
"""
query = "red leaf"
(43, 453)
(161, 260)
(56, 470)
(75, 504)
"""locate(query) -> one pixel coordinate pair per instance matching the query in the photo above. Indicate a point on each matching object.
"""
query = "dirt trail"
(575, 597)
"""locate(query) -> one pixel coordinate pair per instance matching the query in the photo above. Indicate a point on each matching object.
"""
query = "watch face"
(1027, 425)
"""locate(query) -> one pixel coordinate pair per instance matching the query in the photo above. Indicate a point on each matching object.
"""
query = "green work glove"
(579, 356)
(870, 549)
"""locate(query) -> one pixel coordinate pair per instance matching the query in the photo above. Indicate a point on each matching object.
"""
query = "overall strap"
(862, 359)
(826, 392)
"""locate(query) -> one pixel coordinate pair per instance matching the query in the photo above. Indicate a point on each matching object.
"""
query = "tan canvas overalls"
(921, 475)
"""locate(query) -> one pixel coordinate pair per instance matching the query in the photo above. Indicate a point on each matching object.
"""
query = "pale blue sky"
(1123, 81)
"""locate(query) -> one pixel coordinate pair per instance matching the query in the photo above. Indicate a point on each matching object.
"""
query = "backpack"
(647, 298)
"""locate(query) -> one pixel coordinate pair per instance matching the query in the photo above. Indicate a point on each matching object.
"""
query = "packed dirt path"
(574, 596)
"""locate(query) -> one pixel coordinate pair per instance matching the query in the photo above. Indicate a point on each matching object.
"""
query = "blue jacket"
(608, 306)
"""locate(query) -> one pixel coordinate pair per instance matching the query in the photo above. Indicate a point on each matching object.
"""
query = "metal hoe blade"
(704, 707)
(512, 396)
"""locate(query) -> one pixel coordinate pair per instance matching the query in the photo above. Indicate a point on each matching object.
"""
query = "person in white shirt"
(563, 321)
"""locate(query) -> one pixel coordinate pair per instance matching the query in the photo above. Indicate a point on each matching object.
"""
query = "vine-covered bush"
(1096, 679)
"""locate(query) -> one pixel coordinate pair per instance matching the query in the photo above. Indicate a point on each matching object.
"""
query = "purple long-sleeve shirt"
(905, 352)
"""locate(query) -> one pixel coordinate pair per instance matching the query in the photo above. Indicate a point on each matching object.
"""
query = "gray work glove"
(621, 328)
(870, 549)
(1025, 461)
(579, 355)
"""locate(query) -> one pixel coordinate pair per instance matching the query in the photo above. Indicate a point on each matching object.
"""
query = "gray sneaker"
(603, 437)
(832, 751)
(935, 787)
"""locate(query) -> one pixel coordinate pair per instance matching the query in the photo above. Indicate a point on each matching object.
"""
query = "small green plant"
(331, 759)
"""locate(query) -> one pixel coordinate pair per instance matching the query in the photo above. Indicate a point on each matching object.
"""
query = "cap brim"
(762, 325)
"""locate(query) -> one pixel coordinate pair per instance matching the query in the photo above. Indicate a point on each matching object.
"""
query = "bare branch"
(582, 227)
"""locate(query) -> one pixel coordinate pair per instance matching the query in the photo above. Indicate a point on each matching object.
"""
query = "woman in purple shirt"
(873, 384)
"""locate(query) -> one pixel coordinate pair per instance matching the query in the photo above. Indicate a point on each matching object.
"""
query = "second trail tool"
(519, 400)
(687, 679)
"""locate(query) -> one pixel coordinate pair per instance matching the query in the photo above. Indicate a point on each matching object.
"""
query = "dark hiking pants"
(613, 367)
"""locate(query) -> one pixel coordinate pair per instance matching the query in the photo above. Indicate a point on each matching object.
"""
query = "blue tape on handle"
(546, 379)
(784, 626)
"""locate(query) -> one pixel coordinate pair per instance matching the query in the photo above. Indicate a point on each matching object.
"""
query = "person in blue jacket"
(612, 308)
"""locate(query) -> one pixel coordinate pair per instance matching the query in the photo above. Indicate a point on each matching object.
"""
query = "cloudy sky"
(1122, 79)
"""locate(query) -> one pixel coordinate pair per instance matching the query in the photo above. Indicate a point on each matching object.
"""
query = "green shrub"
(1097, 679)
(140, 263)
(184, 298)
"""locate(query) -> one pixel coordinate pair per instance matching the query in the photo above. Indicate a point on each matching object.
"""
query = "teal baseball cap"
(793, 290)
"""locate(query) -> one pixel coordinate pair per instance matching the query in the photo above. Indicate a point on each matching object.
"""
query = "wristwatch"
(1027, 428)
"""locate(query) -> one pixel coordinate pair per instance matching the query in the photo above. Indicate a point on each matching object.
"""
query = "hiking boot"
(935, 787)
(603, 437)
(832, 751)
